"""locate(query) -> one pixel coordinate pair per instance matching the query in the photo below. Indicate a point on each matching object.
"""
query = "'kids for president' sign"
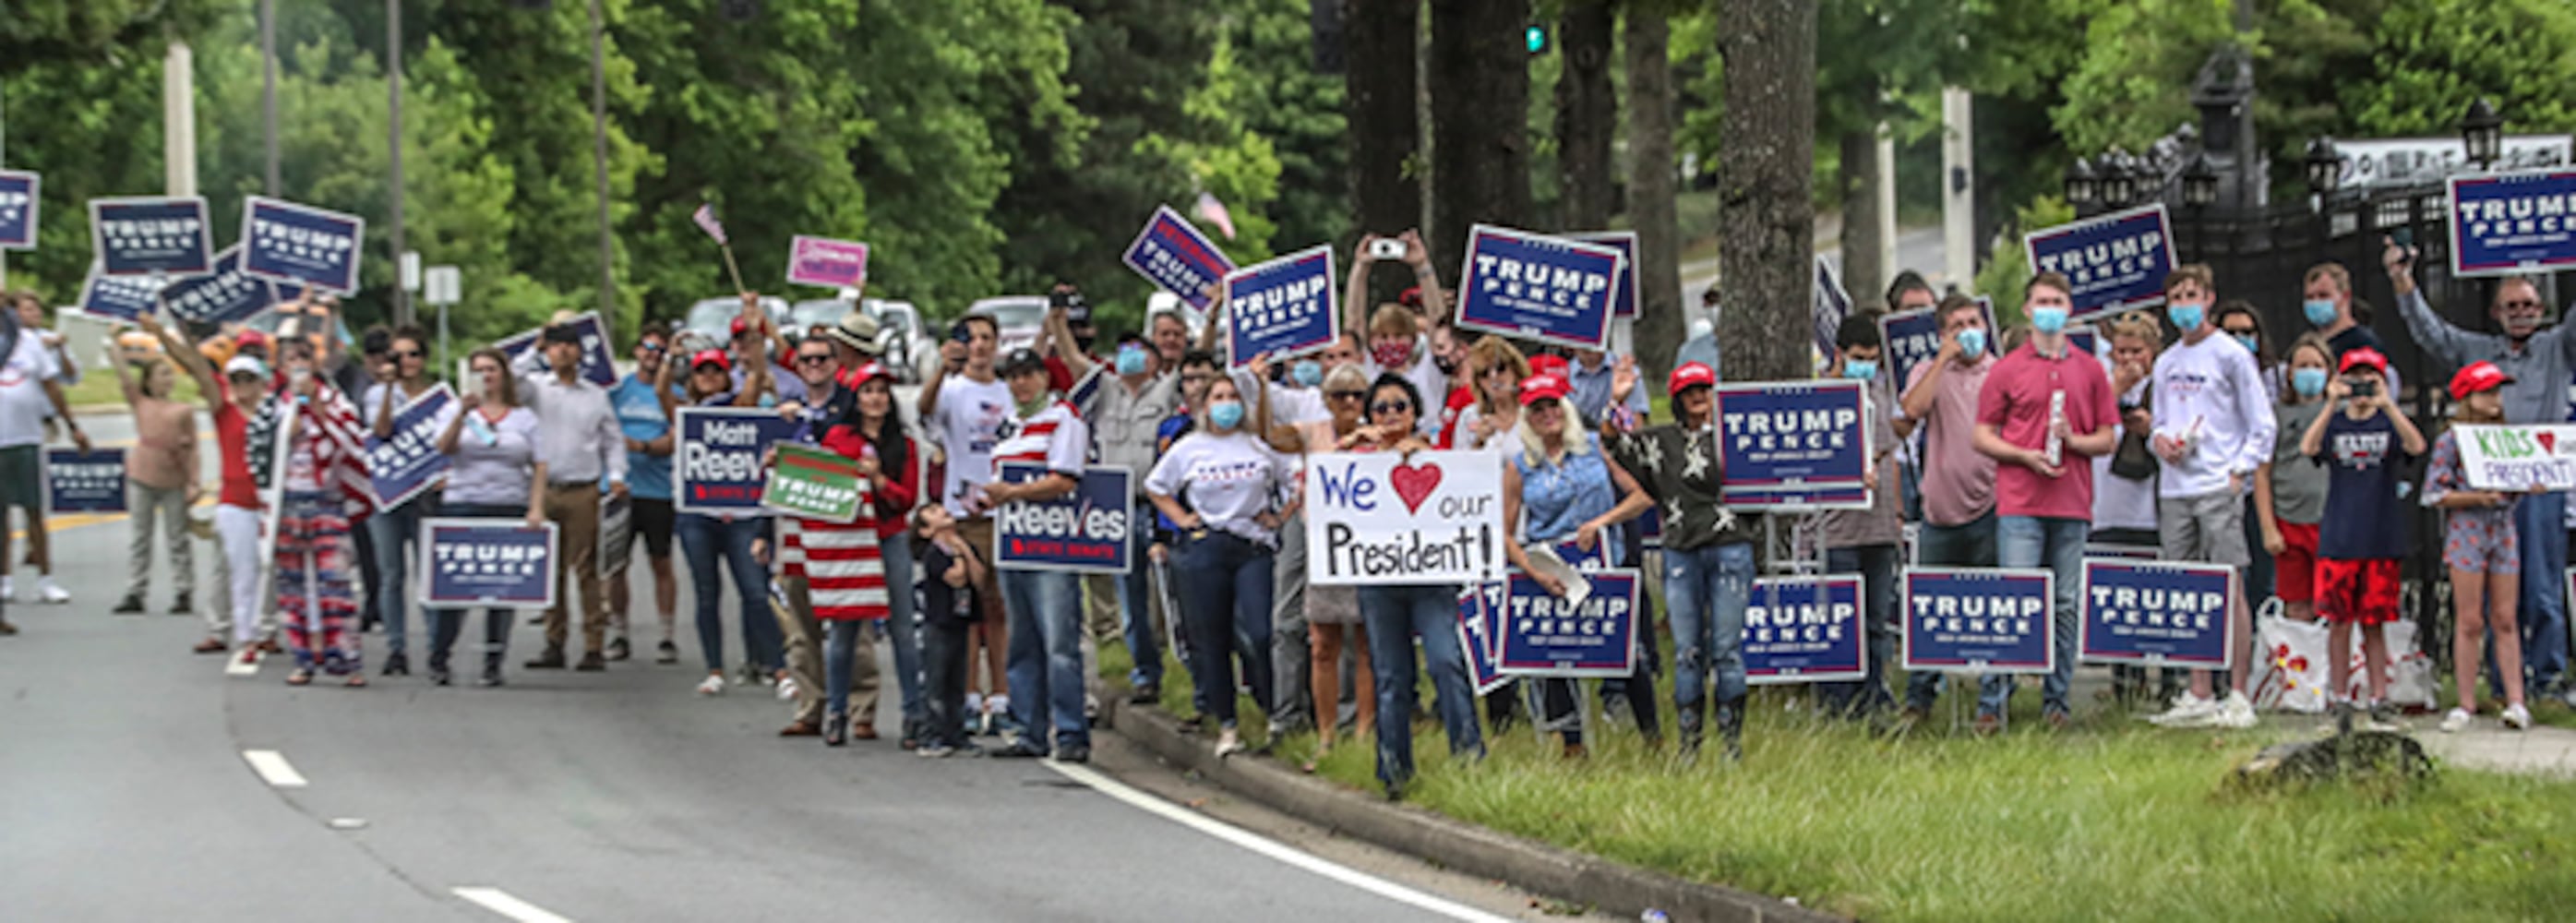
(2116, 262)
(1376, 518)
(1537, 287)
(1281, 308)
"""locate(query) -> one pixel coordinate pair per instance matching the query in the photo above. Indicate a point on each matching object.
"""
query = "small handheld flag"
(705, 216)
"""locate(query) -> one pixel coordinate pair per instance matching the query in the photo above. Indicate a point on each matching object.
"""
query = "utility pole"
(394, 81)
(178, 121)
(599, 165)
(268, 89)
(1959, 187)
(1883, 155)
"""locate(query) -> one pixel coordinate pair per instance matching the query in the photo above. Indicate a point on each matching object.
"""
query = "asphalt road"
(126, 794)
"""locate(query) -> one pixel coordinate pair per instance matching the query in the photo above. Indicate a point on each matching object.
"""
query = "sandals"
(357, 680)
(301, 677)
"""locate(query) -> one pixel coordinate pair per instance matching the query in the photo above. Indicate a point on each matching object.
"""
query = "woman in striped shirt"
(857, 573)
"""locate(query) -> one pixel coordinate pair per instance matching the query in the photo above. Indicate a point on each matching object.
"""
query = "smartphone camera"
(1386, 249)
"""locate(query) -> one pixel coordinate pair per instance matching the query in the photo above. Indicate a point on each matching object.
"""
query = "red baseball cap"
(248, 338)
(1542, 386)
(862, 375)
(740, 324)
(706, 356)
(1411, 298)
(1690, 375)
(2363, 356)
(1547, 364)
(2477, 377)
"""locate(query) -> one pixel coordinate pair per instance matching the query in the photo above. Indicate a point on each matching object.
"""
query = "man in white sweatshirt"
(2213, 427)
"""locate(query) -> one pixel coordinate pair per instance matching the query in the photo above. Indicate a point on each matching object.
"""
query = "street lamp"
(2482, 131)
(2119, 179)
(2083, 186)
(2200, 182)
(2325, 166)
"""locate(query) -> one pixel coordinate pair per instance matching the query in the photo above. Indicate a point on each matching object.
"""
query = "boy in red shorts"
(2360, 439)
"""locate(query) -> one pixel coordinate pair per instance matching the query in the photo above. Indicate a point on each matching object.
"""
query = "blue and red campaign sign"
(596, 362)
(1805, 630)
(1978, 620)
(1537, 287)
(2161, 613)
(119, 298)
(1085, 531)
(1623, 302)
(487, 562)
(287, 242)
(407, 463)
(222, 296)
(1476, 604)
(1541, 634)
(1281, 308)
(1170, 252)
(1914, 337)
(20, 193)
(718, 469)
(1793, 444)
(2513, 222)
(84, 482)
(151, 235)
(2116, 262)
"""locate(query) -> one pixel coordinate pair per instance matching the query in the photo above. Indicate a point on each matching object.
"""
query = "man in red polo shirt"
(2044, 413)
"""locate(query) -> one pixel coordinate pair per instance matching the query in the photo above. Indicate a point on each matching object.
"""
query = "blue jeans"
(2540, 525)
(1705, 592)
(1968, 544)
(1044, 660)
(903, 630)
(390, 534)
(1226, 586)
(1135, 601)
(704, 539)
(1876, 565)
(446, 624)
(2056, 544)
(1396, 616)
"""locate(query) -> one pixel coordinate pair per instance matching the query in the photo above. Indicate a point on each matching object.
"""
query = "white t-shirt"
(23, 403)
(1426, 377)
(2212, 393)
(967, 425)
(1228, 480)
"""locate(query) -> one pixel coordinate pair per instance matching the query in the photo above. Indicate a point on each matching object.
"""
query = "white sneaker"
(47, 591)
(2236, 711)
(786, 688)
(2517, 718)
(2456, 721)
(1228, 743)
(2188, 711)
(9, 589)
(714, 684)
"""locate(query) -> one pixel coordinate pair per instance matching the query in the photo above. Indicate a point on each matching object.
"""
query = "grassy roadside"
(2114, 820)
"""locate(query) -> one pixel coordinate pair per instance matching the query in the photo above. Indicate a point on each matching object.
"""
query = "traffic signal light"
(1536, 35)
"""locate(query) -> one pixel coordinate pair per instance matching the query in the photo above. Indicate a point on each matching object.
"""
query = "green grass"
(98, 388)
(2113, 820)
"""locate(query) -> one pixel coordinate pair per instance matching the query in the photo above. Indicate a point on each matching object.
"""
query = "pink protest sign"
(828, 263)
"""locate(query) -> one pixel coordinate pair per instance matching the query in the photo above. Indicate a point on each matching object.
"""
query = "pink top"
(2015, 401)
(164, 433)
(1958, 480)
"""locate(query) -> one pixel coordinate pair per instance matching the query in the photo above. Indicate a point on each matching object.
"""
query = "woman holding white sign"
(1560, 488)
(1222, 488)
(1397, 615)
(494, 474)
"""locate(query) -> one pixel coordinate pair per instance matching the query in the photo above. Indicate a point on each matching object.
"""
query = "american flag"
(340, 450)
(1215, 212)
(706, 219)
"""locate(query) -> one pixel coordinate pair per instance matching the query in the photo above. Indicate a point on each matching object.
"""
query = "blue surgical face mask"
(1226, 414)
(2248, 341)
(2320, 312)
(2186, 316)
(2308, 382)
(1307, 373)
(2048, 320)
(1860, 369)
(1131, 360)
(1972, 343)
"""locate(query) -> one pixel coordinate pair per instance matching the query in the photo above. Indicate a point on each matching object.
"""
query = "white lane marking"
(273, 768)
(1272, 848)
(501, 902)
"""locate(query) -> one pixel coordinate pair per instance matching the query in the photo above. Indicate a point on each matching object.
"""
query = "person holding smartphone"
(1395, 334)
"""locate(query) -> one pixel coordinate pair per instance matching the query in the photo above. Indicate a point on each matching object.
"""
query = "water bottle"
(2056, 416)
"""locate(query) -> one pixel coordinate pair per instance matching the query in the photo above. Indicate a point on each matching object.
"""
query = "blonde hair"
(1393, 320)
(1485, 356)
(2135, 324)
(1536, 452)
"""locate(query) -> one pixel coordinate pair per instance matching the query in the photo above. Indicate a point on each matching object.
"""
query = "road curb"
(1612, 887)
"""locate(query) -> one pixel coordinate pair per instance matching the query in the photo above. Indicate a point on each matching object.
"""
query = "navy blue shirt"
(2364, 516)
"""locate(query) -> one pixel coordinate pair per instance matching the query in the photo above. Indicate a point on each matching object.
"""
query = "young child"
(2290, 492)
(2360, 438)
(950, 570)
(2482, 552)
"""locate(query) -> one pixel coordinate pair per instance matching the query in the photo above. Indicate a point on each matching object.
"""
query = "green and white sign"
(814, 484)
(2515, 459)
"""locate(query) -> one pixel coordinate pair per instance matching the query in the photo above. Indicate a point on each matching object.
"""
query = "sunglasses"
(1195, 378)
(813, 359)
(650, 347)
(406, 354)
(1346, 395)
(2520, 305)
(1387, 407)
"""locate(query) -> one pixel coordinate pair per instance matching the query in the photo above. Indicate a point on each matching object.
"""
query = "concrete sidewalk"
(2487, 744)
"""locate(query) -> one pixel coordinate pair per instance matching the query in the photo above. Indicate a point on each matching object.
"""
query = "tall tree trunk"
(1857, 181)
(1479, 122)
(1385, 123)
(1587, 115)
(1766, 152)
(1660, 324)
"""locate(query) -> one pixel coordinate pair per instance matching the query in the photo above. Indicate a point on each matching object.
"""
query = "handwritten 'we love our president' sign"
(1380, 518)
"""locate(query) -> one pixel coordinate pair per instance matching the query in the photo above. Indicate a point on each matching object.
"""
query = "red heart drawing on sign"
(2548, 441)
(1414, 484)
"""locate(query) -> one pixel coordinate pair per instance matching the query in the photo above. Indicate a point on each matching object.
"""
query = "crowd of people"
(2013, 449)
